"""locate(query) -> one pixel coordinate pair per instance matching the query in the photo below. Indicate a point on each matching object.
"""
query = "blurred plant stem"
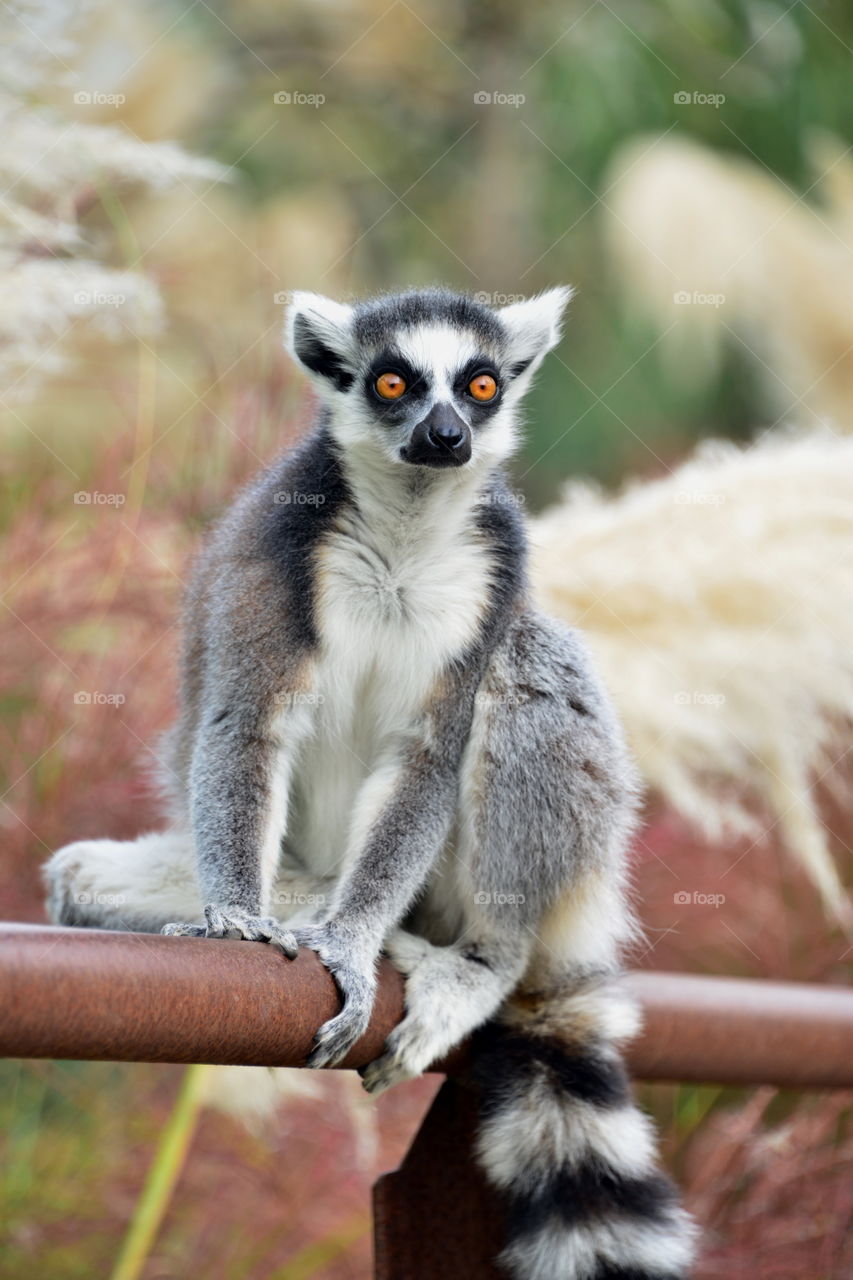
(163, 1175)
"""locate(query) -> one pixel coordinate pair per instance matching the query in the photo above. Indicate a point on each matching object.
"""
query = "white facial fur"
(440, 350)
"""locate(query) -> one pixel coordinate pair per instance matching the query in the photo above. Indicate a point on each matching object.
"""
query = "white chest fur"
(401, 591)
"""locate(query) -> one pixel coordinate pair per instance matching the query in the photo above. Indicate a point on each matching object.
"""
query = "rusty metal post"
(435, 1216)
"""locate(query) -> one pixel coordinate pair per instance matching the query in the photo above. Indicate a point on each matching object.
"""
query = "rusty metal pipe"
(77, 993)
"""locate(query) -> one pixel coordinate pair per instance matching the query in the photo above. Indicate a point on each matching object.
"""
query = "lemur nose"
(441, 439)
(447, 435)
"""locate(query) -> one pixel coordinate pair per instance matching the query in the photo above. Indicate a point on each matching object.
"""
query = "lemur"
(383, 746)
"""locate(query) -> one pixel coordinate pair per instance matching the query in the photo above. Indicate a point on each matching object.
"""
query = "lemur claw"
(409, 1051)
(383, 1073)
(182, 930)
(235, 924)
(336, 1037)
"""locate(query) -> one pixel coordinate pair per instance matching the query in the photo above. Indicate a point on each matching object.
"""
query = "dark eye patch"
(417, 385)
(477, 410)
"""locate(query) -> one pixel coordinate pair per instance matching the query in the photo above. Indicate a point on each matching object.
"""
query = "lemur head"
(428, 378)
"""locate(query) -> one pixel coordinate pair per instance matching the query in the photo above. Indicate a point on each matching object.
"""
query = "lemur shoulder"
(384, 746)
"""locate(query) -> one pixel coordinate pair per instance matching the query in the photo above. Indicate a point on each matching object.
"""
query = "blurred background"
(169, 172)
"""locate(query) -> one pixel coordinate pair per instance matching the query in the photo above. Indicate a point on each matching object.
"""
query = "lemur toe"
(409, 1051)
(233, 924)
(336, 1037)
(383, 1073)
(268, 930)
(180, 929)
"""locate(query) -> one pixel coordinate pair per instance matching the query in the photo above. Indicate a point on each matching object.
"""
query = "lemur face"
(427, 378)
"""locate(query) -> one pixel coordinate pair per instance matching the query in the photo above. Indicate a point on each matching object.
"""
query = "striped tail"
(572, 1157)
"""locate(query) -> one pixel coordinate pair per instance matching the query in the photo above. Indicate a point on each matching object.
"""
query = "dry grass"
(720, 243)
(719, 602)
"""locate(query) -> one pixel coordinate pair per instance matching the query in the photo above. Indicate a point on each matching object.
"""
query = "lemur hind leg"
(143, 884)
(124, 884)
(450, 991)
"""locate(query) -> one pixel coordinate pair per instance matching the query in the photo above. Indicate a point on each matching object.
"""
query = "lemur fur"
(384, 746)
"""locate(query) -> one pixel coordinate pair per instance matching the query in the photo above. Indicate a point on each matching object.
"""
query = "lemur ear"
(318, 334)
(534, 326)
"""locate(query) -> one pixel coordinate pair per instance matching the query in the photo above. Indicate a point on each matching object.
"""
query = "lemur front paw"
(357, 986)
(236, 924)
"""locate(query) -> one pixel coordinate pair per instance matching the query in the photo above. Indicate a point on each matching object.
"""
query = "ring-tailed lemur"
(378, 723)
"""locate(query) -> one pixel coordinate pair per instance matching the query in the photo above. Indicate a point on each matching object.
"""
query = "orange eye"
(483, 387)
(390, 386)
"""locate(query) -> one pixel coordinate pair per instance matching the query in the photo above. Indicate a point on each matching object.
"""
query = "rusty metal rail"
(68, 993)
(72, 993)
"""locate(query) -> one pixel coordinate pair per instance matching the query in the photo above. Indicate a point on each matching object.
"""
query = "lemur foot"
(383, 1073)
(414, 1045)
(409, 1051)
(235, 924)
(357, 986)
